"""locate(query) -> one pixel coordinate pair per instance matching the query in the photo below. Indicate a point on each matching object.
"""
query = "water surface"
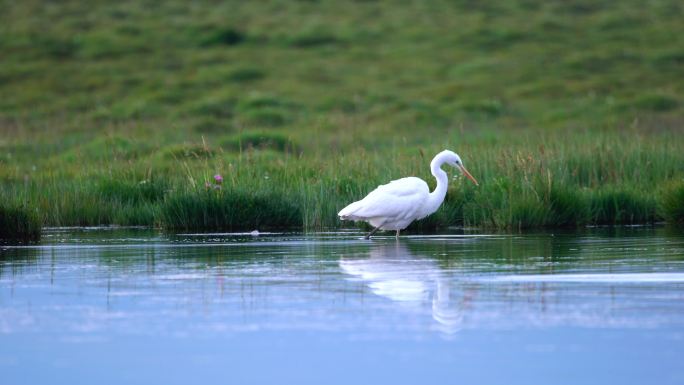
(140, 307)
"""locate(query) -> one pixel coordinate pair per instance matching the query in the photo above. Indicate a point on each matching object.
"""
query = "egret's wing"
(401, 198)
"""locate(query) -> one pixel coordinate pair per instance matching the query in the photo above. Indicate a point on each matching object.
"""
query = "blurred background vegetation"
(568, 112)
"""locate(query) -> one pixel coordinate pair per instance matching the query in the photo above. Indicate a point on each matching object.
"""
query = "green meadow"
(569, 113)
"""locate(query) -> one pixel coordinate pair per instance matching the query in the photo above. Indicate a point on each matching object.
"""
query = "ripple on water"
(592, 278)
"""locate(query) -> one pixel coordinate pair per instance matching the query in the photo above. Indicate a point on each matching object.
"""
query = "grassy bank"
(537, 181)
(672, 208)
(18, 223)
(568, 114)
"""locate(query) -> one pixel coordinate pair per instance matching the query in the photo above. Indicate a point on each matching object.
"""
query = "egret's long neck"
(437, 196)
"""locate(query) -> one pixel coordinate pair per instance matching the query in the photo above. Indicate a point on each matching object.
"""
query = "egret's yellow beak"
(467, 174)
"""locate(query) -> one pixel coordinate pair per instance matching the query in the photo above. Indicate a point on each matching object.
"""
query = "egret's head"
(452, 159)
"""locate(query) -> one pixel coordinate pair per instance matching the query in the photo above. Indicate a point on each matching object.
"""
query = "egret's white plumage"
(393, 206)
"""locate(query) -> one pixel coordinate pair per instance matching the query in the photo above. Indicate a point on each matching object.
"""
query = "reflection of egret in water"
(394, 272)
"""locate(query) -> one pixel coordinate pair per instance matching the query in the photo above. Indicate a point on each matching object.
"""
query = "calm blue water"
(93, 306)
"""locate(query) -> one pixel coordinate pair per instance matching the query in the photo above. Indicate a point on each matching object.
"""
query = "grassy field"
(568, 112)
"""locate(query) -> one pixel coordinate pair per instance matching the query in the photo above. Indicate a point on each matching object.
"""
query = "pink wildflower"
(218, 179)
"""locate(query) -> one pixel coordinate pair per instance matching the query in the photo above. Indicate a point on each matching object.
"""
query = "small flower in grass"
(207, 185)
(218, 179)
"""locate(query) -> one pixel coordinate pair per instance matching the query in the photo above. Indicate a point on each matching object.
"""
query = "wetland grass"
(229, 210)
(525, 185)
(672, 203)
(18, 223)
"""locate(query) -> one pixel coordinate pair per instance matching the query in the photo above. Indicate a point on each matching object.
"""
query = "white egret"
(393, 206)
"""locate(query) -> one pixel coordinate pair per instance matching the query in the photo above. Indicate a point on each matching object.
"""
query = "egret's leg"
(372, 232)
(398, 233)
